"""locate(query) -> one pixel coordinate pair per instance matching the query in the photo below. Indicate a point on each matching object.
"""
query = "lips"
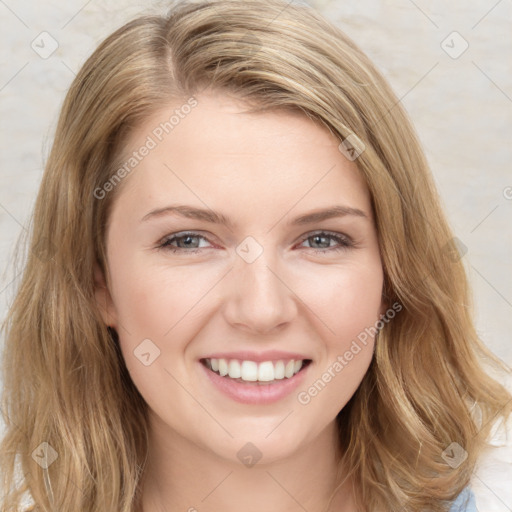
(256, 392)
(269, 355)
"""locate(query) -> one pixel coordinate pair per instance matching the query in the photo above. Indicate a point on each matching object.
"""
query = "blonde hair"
(65, 381)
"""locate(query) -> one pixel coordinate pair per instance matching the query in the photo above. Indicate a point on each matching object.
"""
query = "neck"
(183, 476)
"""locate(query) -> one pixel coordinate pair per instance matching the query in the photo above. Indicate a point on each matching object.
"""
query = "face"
(239, 243)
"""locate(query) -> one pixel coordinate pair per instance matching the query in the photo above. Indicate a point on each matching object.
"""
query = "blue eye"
(190, 242)
(343, 241)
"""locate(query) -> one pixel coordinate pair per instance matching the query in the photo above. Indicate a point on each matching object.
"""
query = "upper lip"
(269, 355)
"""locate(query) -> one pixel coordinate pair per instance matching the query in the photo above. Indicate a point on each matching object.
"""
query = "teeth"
(251, 371)
(235, 372)
(266, 371)
(279, 370)
(288, 371)
(223, 367)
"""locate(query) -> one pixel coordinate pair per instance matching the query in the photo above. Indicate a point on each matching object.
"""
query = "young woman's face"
(246, 270)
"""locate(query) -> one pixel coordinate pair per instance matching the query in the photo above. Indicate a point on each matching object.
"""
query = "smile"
(252, 371)
(252, 382)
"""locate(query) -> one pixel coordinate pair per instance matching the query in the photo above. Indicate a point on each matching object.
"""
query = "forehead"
(218, 152)
(222, 118)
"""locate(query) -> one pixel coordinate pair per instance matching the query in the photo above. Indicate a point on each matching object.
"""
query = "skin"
(261, 171)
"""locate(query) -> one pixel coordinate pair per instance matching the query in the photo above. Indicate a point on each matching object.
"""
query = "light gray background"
(461, 108)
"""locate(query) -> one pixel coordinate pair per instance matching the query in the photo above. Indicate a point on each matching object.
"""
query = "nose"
(259, 299)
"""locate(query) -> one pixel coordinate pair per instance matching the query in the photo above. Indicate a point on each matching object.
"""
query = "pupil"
(187, 239)
(318, 238)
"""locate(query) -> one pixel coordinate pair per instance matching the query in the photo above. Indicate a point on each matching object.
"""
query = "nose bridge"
(258, 297)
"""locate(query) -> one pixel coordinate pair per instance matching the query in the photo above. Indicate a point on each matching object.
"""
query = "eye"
(324, 239)
(190, 242)
(187, 242)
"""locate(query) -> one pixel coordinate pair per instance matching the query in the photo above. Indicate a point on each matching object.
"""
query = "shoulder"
(491, 482)
(465, 502)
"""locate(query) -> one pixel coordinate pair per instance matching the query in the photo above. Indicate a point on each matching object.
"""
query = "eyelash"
(344, 241)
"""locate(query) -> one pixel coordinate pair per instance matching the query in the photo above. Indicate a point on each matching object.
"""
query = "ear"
(104, 299)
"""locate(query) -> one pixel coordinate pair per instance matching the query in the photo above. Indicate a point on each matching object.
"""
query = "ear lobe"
(104, 300)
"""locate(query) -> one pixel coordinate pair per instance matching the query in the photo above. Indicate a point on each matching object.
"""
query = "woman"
(241, 290)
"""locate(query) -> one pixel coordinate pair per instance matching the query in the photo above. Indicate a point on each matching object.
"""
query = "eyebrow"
(214, 217)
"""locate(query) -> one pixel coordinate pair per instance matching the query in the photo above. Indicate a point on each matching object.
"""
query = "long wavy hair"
(76, 433)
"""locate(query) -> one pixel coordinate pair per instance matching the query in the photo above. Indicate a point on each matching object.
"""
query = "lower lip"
(254, 392)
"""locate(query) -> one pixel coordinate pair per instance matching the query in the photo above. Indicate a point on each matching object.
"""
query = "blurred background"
(448, 62)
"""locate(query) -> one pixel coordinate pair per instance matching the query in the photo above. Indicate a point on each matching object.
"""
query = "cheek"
(163, 304)
(347, 303)
(143, 310)
(357, 305)
(156, 309)
(344, 299)
(151, 298)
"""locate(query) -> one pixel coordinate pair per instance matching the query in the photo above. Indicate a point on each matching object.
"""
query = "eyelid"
(162, 244)
(345, 241)
(333, 234)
